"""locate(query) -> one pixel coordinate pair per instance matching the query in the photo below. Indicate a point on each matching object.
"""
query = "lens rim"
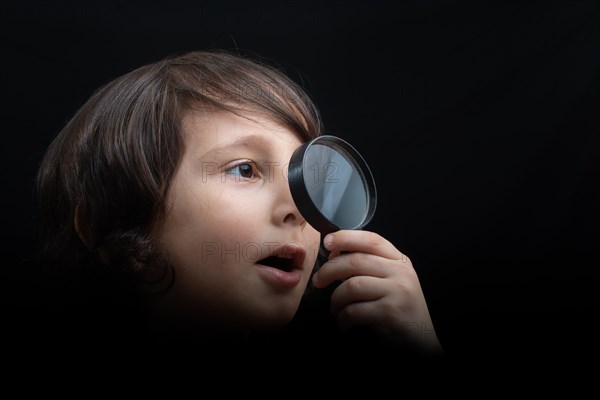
(302, 199)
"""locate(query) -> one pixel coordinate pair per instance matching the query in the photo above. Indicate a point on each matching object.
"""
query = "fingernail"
(328, 241)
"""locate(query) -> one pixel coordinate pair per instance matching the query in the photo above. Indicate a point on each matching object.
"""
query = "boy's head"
(174, 173)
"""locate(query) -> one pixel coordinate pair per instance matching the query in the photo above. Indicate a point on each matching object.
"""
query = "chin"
(268, 314)
(272, 319)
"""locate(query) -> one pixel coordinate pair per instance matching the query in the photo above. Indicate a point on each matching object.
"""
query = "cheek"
(313, 240)
(207, 218)
(233, 217)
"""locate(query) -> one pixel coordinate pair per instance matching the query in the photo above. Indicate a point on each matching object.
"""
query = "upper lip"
(291, 250)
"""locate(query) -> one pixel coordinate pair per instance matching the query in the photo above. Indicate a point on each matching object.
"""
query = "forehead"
(220, 129)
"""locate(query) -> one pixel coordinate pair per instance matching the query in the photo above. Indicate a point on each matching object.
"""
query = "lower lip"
(280, 278)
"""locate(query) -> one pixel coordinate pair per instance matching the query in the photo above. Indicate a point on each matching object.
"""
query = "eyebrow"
(250, 141)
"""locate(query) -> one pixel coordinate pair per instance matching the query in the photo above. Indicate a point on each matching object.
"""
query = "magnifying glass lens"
(335, 186)
(332, 185)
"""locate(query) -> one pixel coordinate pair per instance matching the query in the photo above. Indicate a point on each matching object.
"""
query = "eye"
(245, 170)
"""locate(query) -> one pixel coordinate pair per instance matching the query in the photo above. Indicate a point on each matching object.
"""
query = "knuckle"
(374, 240)
(349, 313)
(353, 285)
(356, 260)
(406, 259)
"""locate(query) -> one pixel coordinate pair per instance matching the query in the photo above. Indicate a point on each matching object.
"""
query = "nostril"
(294, 218)
(289, 218)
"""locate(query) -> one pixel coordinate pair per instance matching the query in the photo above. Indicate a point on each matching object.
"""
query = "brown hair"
(103, 182)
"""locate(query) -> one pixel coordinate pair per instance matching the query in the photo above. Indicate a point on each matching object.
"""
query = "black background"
(479, 120)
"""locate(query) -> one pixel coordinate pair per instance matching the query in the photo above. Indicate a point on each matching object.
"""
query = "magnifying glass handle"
(322, 257)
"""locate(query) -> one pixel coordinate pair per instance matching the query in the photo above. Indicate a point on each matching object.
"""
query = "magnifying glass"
(332, 186)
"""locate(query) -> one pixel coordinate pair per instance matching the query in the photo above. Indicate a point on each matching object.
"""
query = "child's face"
(231, 207)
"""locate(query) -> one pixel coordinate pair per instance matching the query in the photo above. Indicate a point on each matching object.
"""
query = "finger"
(362, 313)
(353, 264)
(357, 289)
(361, 241)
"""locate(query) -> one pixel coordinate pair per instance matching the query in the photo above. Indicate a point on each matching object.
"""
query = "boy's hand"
(379, 288)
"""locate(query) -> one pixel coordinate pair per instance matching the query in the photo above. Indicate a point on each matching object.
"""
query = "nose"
(285, 210)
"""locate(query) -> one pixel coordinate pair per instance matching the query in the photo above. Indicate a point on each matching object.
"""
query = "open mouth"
(283, 263)
(287, 258)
